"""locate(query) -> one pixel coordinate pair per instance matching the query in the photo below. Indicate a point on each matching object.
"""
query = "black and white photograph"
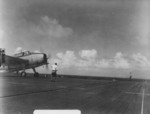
(74, 57)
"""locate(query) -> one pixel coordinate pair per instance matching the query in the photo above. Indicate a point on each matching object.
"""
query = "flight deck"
(23, 95)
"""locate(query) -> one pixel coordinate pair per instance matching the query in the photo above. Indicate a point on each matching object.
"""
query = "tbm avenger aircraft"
(22, 61)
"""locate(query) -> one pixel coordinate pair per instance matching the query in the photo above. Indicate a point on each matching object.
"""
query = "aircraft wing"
(14, 61)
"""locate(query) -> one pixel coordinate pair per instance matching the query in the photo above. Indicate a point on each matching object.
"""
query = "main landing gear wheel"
(36, 74)
(23, 74)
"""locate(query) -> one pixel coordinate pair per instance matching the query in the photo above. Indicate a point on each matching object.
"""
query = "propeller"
(46, 58)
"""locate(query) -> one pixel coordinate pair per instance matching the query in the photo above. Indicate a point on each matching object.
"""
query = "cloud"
(118, 65)
(89, 59)
(120, 61)
(18, 50)
(103, 63)
(67, 59)
(52, 28)
(88, 54)
(141, 61)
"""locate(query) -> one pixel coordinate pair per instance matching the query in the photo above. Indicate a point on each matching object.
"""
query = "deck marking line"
(137, 93)
(142, 101)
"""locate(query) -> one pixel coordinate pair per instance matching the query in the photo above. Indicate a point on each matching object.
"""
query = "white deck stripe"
(142, 101)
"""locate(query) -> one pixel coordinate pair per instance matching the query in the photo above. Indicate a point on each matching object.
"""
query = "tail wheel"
(23, 74)
(36, 74)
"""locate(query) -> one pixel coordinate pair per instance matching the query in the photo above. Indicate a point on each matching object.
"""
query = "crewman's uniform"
(54, 71)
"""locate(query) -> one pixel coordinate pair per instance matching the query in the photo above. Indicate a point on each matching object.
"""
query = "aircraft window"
(23, 53)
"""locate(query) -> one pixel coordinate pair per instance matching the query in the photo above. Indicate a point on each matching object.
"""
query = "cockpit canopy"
(24, 53)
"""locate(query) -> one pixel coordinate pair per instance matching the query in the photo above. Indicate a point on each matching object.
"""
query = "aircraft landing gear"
(23, 74)
(36, 74)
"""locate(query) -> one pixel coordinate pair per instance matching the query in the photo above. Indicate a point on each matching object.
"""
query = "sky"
(85, 37)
